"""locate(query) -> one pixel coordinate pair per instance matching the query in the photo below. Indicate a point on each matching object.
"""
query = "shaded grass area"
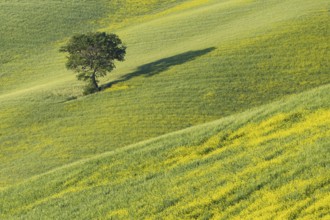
(41, 129)
(159, 66)
(269, 162)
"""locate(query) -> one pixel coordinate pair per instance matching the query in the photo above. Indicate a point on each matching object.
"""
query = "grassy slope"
(259, 52)
(28, 31)
(31, 68)
(31, 32)
(268, 162)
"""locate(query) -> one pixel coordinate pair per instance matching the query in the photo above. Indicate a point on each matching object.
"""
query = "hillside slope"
(256, 71)
(188, 63)
(31, 32)
(269, 162)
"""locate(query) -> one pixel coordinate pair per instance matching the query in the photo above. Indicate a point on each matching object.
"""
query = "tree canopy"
(92, 55)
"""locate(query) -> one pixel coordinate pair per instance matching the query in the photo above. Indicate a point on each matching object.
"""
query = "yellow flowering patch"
(120, 213)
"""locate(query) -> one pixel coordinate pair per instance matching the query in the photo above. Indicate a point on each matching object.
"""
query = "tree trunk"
(93, 78)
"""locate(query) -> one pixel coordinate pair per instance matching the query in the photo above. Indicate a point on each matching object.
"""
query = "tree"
(92, 56)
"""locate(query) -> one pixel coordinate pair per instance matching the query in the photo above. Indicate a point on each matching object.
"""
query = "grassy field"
(269, 162)
(189, 62)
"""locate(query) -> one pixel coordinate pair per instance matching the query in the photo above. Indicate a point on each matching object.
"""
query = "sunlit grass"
(129, 12)
(270, 162)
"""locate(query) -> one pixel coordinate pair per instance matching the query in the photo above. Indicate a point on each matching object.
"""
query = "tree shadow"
(153, 68)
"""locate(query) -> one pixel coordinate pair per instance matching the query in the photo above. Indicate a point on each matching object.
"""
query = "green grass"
(31, 32)
(190, 71)
(268, 162)
(189, 62)
(33, 74)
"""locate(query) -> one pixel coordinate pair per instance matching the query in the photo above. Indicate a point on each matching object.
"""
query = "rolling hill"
(268, 162)
(248, 81)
